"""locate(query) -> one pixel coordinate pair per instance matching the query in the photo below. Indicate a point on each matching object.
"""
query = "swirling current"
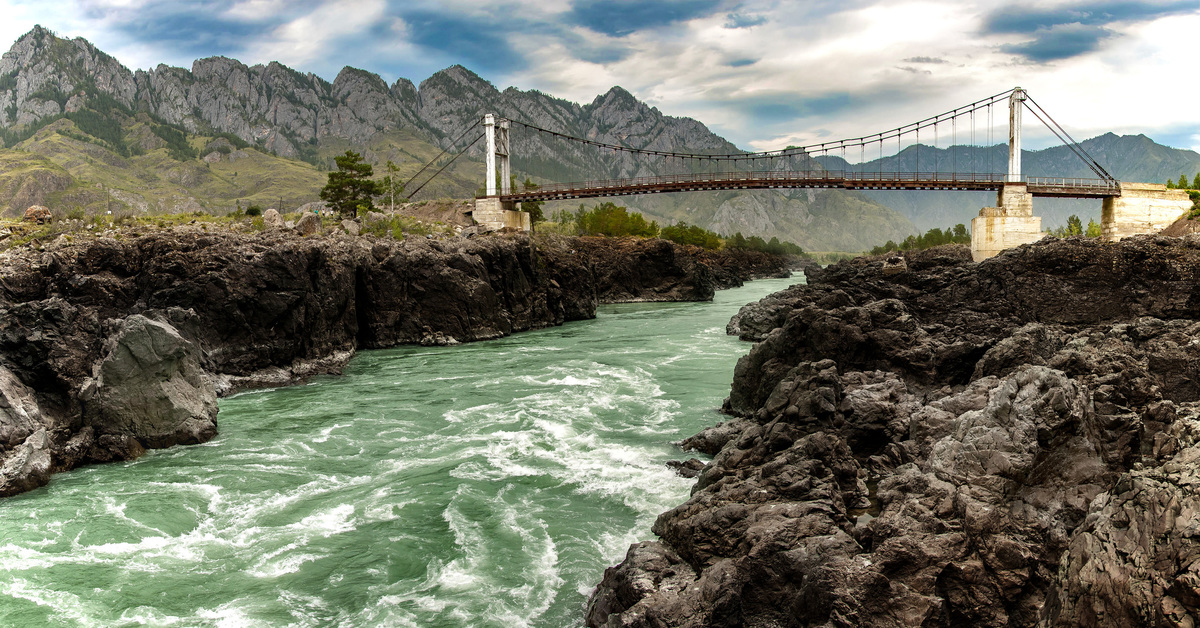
(486, 484)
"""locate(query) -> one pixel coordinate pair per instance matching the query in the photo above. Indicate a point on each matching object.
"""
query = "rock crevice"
(1009, 443)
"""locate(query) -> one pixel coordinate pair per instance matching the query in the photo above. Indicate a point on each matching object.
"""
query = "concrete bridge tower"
(1011, 222)
(490, 211)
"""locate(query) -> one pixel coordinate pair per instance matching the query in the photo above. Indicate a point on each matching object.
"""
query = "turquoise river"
(486, 484)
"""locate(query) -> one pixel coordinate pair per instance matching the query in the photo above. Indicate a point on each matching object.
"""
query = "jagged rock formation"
(150, 387)
(109, 347)
(292, 114)
(1008, 443)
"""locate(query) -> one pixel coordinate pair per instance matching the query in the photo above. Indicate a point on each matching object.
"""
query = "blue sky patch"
(621, 18)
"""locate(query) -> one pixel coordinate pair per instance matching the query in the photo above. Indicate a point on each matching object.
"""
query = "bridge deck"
(1038, 186)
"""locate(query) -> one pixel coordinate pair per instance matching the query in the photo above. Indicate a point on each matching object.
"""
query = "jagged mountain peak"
(301, 115)
(351, 74)
(41, 73)
(40, 37)
(42, 44)
(616, 96)
(458, 78)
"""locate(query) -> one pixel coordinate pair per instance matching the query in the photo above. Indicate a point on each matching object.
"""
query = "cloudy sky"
(762, 73)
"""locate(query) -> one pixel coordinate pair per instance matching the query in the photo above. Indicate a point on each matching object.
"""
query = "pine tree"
(533, 207)
(1074, 225)
(1183, 182)
(1196, 182)
(350, 187)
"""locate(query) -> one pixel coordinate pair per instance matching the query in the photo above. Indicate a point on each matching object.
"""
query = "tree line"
(1075, 227)
(1182, 183)
(610, 219)
(934, 237)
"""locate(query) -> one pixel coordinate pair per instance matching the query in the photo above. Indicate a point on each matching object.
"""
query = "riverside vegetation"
(609, 219)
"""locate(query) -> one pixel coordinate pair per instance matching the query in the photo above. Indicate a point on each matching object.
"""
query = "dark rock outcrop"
(109, 347)
(633, 269)
(150, 387)
(1009, 443)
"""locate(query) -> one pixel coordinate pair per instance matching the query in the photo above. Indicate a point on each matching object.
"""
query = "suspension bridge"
(1128, 208)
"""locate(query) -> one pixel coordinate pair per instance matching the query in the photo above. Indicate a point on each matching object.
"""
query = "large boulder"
(38, 214)
(24, 445)
(272, 219)
(19, 413)
(150, 387)
(309, 224)
(27, 466)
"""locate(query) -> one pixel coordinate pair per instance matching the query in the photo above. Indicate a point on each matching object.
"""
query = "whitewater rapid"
(486, 484)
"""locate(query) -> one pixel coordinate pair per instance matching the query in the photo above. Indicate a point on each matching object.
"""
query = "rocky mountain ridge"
(302, 116)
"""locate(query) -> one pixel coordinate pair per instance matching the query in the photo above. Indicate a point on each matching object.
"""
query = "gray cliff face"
(291, 114)
(271, 105)
(40, 70)
(281, 108)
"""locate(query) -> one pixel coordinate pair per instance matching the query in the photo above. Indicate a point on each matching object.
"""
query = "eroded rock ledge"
(1009, 443)
(109, 347)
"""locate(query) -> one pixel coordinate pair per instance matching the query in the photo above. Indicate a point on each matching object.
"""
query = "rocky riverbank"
(1009, 443)
(110, 346)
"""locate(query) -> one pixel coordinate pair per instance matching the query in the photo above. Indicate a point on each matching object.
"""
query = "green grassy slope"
(69, 170)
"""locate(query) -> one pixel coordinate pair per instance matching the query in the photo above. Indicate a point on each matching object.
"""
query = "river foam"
(485, 484)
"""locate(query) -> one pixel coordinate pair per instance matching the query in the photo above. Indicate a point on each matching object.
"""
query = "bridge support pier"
(491, 212)
(496, 214)
(1141, 208)
(1010, 224)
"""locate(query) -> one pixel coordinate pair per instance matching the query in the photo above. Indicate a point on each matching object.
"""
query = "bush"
(608, 219)
(683, 233)
(254, 210)
(755, 243)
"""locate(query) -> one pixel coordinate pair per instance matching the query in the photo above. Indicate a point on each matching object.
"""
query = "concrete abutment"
(1141, 208)
(495, 214)
(1008, 225)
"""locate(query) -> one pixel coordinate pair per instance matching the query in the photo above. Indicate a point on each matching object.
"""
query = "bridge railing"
(816, 178)
(706, 177)
(926, 177)
(1072, 182)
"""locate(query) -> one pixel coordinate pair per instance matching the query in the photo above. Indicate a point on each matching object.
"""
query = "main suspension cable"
(786, 152)
(470, 125)
(464, 151)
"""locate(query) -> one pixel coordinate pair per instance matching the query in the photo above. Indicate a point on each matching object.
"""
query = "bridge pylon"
(1016, 102)
(490, 211)
(1011, 222)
